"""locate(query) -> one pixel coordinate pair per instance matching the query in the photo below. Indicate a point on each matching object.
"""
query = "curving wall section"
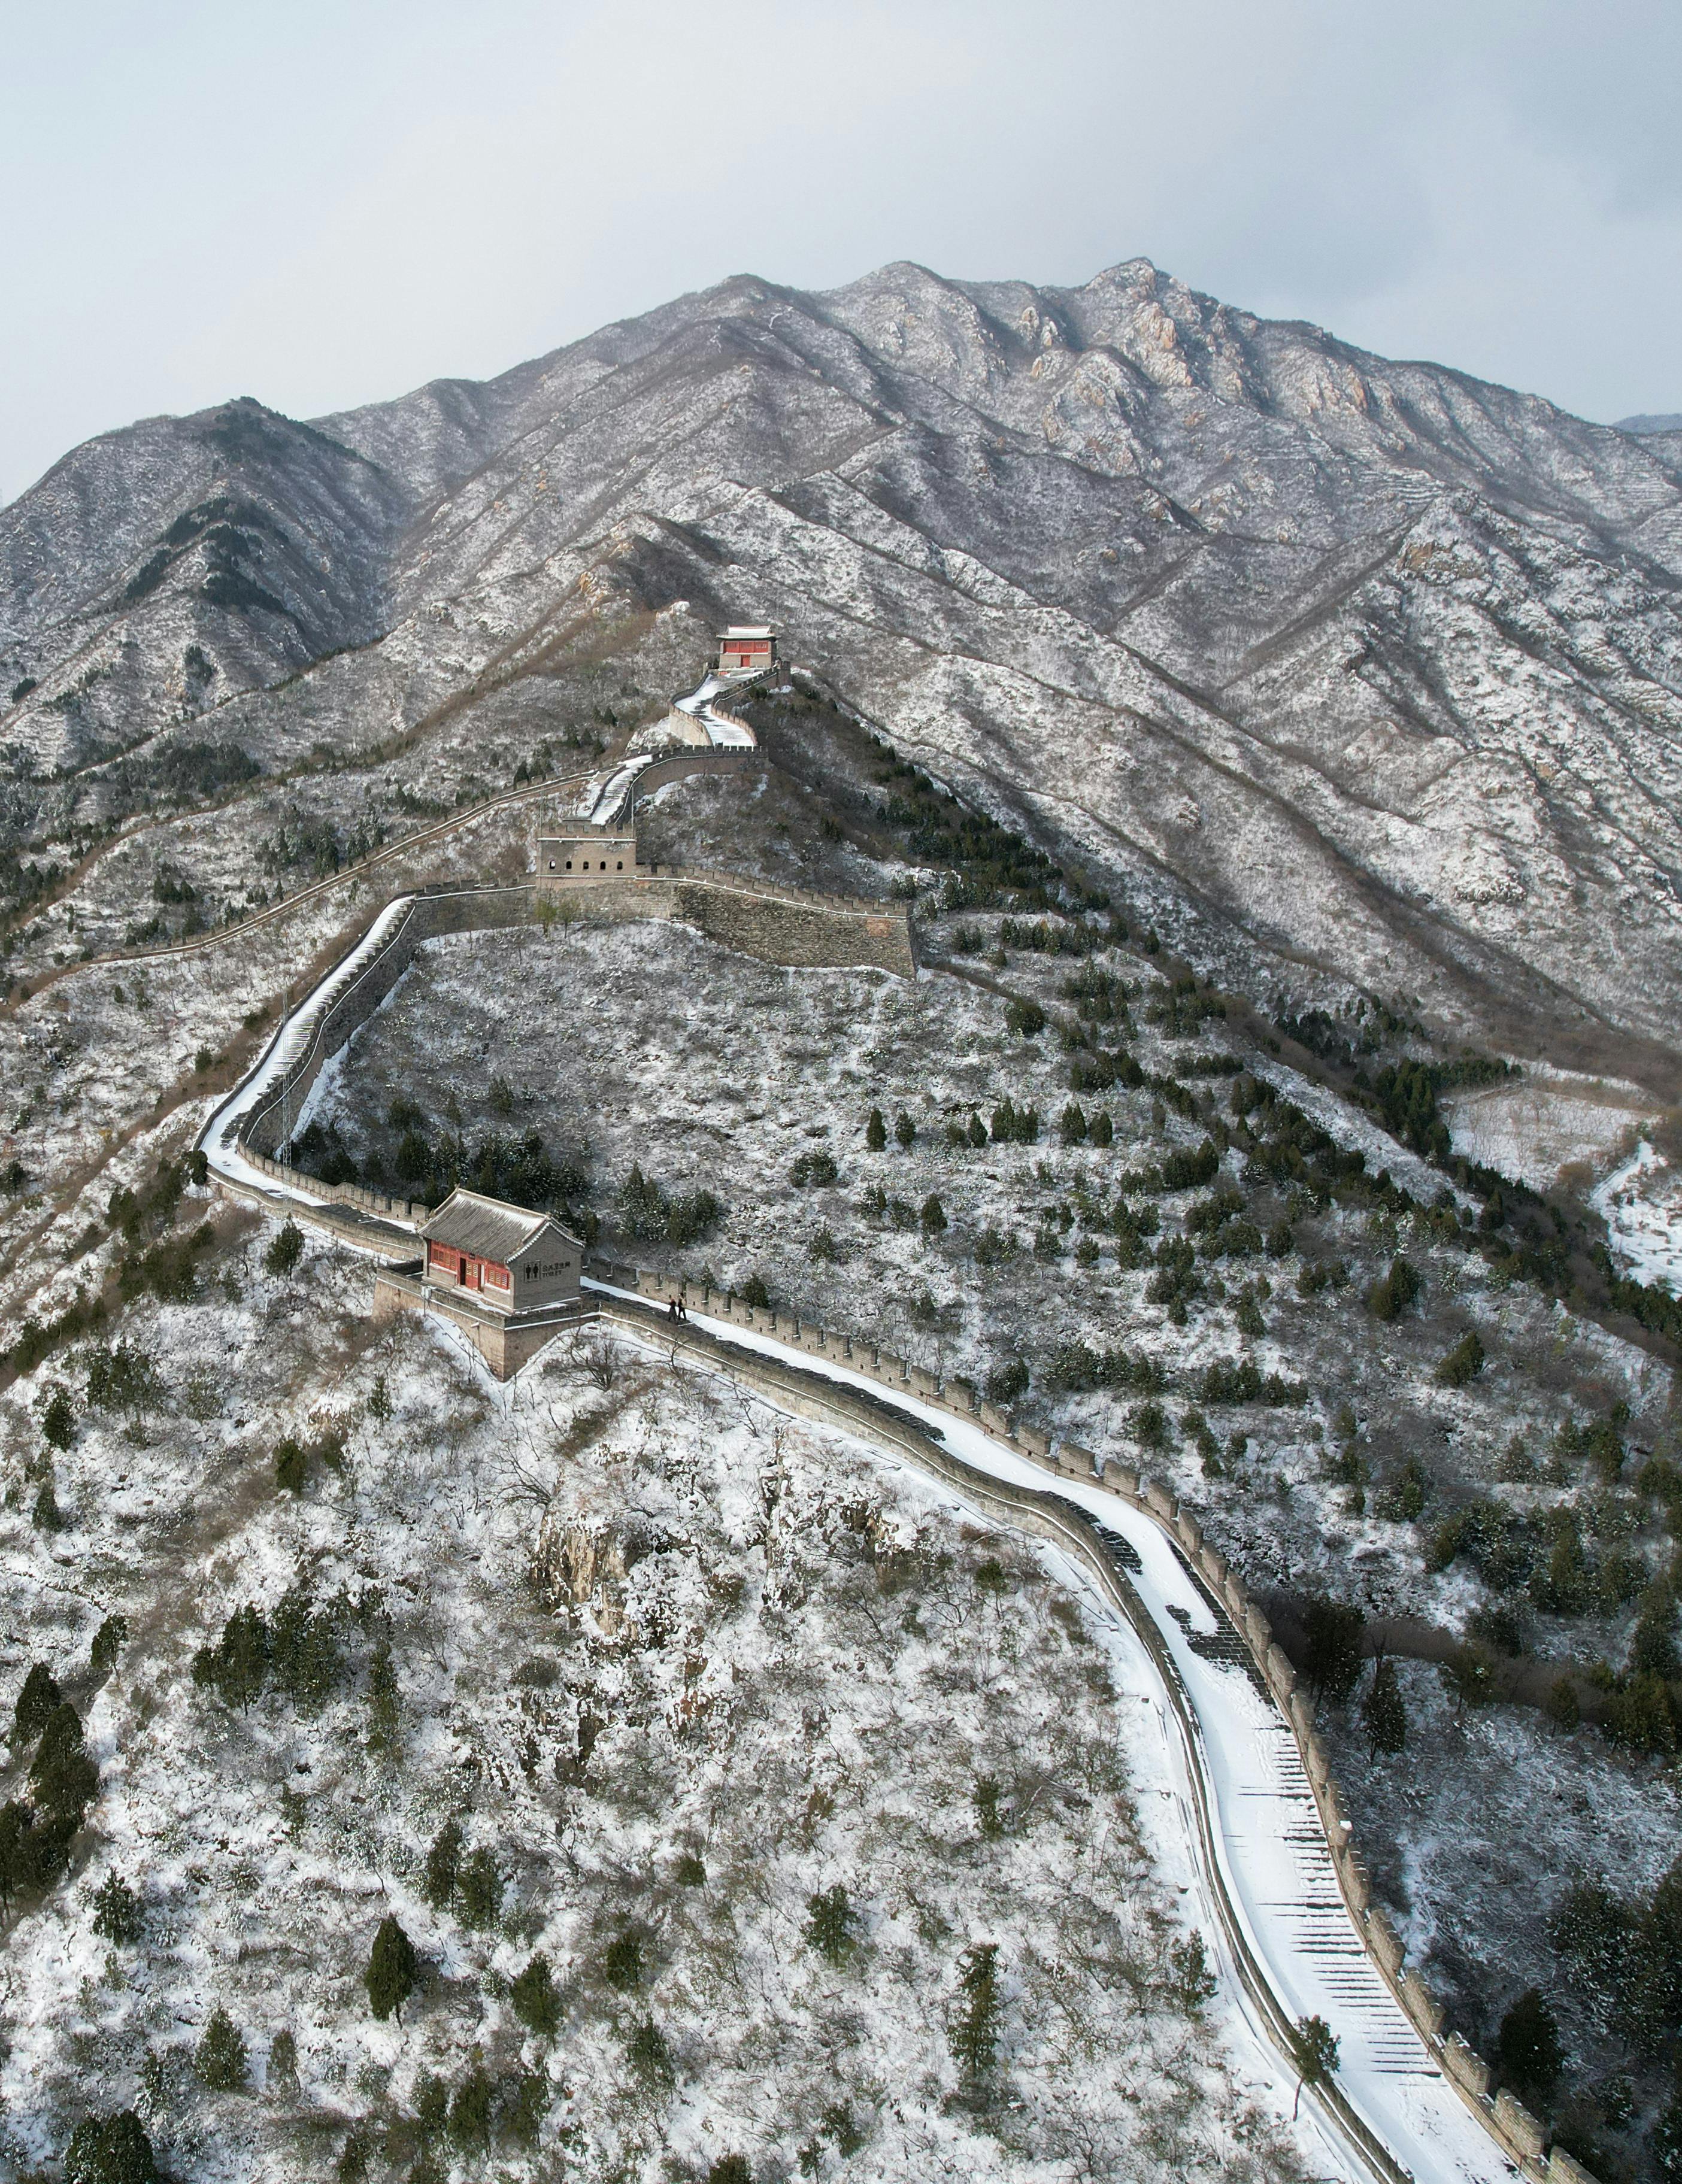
(1520, 2135)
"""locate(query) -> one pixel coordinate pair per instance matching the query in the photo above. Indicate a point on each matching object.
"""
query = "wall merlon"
(1034, 1440)
(1519, 2128)
(1466, 2067)
(1383, 1940)
(1422, 2006)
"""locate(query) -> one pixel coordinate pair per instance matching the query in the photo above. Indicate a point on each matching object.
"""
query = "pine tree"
(220, 2061)
(829, 1925)
(61, 1774)
(1314, 2049)
(1469, 1676)
(1101, 1130)
(58, 1419)
(115, 2152)
(1333, 1662)
(285, 1250)
(1528, 2046)
(282, 2069)
(1463, 1363)
(383, 1714)
(978, 1131)
(1665, 2145)
(932, 1217)
(16, 1823)
(117, 1913)
(1072, 1129)
(37, 1702)
(109, 1641)
(292, 1466)
(393, 1970)
(974, 2034)
(1193, 1980)
(650, 2055)
(1383, 1710)
(875, 1131)
(536, 2002)
(443, 1864)
(469, 2112)
(1561, 1705)
(237, 1667)
(478, 1890)
(905, 1131)
(622, 1964)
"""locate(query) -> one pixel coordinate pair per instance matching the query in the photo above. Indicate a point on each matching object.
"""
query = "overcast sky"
(329, 202)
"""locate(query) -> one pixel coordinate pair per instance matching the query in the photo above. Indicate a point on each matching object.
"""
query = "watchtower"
(742, 651)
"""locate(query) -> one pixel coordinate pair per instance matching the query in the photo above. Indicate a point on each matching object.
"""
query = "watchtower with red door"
(747, 651)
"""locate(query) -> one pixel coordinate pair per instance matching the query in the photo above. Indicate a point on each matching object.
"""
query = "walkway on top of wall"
(1272, 1864)
(605, 800)
(720, 728)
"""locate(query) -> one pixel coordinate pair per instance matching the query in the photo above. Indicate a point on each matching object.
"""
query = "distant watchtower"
(746, 651)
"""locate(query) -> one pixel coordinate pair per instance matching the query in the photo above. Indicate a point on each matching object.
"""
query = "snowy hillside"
(1273, 751)
(740, 1740)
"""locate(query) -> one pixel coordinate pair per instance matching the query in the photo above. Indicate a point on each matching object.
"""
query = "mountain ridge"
(1369, 665)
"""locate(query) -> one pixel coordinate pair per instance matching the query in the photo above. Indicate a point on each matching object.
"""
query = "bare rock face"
(579, 1562)
(1370, 666)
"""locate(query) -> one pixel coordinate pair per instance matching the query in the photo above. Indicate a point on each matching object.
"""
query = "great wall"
(1283, 1878)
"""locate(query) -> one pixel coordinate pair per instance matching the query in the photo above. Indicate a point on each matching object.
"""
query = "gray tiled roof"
(486, 1227)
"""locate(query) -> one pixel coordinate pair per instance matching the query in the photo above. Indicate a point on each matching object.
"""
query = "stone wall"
(1517, 2132)
(811, 933)
(348, 1004)
(506, 1343)
(778, 925)
(337, 1194)
(723, 758)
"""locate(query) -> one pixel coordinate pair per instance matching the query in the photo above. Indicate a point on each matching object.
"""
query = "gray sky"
(329, 202)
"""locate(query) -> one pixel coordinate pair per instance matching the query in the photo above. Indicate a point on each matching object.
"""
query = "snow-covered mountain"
(1373, 664)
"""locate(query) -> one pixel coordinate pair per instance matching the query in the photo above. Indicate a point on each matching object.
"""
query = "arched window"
(569, 864)
(619, 867)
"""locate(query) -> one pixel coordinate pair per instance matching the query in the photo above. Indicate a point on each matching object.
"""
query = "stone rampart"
(1512, 2125)
(337, 1194)
(348, 1004)
(792, 1388)
(806, 932)
(720, 758)
(777, 924)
